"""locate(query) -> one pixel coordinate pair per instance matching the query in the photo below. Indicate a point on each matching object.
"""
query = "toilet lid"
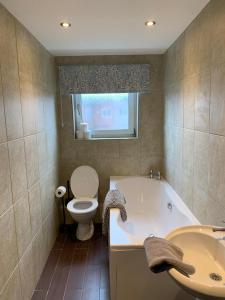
(84, 182)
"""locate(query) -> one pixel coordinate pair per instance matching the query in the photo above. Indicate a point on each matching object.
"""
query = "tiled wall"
(28, 157)
(117, 157)
(195, 114)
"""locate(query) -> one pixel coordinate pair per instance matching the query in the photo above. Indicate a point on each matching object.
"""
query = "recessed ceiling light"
(65, 24)
(150, 23)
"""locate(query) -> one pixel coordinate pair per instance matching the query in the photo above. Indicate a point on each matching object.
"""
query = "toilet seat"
(84, 182)
(71, 206)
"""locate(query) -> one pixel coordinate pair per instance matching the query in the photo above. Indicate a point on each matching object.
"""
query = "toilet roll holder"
(64, 202)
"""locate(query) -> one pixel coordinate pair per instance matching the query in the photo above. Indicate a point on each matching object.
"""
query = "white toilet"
(84, 184)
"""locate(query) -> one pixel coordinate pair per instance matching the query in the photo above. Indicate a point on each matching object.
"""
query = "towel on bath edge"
(113, 199)
(163, 255)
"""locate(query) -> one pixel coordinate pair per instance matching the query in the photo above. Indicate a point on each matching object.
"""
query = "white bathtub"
(152, 207)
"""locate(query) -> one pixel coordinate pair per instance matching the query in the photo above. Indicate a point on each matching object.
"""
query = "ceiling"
(104, 26)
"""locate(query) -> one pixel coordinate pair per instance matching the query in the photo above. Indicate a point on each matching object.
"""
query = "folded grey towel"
(113, 199)
(163, 255)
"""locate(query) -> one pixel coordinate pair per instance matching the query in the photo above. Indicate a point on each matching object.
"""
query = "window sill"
(106, 139)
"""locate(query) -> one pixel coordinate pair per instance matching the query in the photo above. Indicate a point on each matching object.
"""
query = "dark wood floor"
(75, 270)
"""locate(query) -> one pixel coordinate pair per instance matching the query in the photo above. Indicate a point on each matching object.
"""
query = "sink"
(205, 250)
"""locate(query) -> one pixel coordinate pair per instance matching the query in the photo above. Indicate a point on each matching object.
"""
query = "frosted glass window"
(112, 115)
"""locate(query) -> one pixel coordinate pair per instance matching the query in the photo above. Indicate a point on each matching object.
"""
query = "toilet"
(84, 185)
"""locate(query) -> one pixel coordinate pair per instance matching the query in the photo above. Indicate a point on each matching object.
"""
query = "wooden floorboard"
(75, 270)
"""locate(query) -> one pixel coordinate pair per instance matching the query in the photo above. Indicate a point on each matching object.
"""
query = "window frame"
(130, 133)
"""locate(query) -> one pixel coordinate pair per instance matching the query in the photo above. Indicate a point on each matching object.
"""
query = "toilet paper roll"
(87, 134)
(83, 127)
(80, 134)
(60, 191)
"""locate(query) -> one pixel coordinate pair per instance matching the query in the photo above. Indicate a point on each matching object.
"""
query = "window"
(113, 115)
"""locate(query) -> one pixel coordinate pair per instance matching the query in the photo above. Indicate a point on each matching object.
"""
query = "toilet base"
(85, 231)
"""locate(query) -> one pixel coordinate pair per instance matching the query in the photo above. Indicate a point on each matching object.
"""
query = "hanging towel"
(113, 199)
(163, 255)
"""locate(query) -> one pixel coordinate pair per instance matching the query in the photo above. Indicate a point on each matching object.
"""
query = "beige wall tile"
(218, 54)
(52, 150)
(26, 267)
(31, 151)
(177, 105)
(8, 249)
(129, 148)
(38, 70)
(42, 153)
(216, 211)
(217, 162)
(187, 192)
(169, 106)
(38, 254)
(5, 184)
(39, 95)
(49, 110)
(151, 109)
(25, 49)
(27, 70)
(201, 160)
(150, 163)
(217, 103)
(12, 291)
(178, 179)
(206, 33)
(13, 113)
(169, 62)
(178, 147)
(218, 10)
(169, 146)
(150, 105)
(189, 94)
(117, 166)
(202, 102)
(17, 168)
(23, 224)
(191, 49)
(87, 149)
(151, 142)
(108, 149)
(10, 79)
(188, 152)
(177, 62)
(35, 207)
(29, 106)
(201, 205)
(3, 136)
(49, 232)
(46, 238)
(204, 60)
(44, 196)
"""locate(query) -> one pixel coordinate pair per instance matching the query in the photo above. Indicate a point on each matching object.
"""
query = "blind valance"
(78, 79)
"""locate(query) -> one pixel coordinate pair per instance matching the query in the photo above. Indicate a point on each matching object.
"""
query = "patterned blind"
(78, 79)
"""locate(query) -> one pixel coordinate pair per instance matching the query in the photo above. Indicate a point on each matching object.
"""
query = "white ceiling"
(105, 26)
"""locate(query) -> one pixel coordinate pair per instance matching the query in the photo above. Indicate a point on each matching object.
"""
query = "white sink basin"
(205, 250)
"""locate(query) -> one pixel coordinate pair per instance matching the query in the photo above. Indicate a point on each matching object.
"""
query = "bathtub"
(152, 207)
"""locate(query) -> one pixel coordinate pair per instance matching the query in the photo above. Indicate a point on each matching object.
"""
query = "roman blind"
(118, 78)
